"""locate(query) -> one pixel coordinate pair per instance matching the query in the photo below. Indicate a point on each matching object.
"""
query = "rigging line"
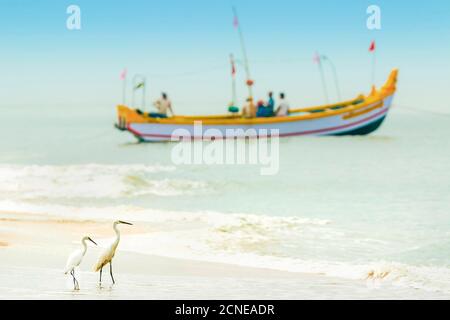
(188, 73)
(90, 137)
(436, 113)
(280, 60)
(225, 67)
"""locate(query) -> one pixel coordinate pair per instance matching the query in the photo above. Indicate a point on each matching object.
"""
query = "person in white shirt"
(283, 108)
(163, 105)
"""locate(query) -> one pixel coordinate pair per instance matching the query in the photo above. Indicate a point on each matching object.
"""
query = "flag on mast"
(236, 22)
(372, 47)
(139, 85)
(123, 74)
(316, 58)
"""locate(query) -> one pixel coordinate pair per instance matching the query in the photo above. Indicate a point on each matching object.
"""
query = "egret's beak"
(123, 222)
(92, 241)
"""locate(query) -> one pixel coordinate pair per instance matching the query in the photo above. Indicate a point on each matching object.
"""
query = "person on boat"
(283, 108)
(249, 110)
(267, 109)
(270, 105)
(261, 109)
(164, 105)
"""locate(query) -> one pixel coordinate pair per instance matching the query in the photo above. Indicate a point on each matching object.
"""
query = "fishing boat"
(359, 116)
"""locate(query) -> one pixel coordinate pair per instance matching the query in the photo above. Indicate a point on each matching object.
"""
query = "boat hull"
(364, 122)
(365, 130)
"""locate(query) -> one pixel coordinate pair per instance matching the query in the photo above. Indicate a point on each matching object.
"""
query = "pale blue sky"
(183, 48)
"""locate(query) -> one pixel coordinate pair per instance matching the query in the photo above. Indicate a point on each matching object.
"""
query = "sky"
(183, 47)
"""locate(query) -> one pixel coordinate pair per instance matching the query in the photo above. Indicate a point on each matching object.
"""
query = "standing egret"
(75, 259)
(107, 255)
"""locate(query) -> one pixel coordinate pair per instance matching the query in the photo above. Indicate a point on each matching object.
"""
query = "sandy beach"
(34, 249)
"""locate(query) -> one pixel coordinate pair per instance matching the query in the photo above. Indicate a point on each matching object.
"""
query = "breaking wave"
(91, 181)
(245, 240)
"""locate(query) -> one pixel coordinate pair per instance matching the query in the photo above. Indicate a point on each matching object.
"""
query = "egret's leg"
(101, 269)
(77, 286)
(72, 273)
(110, 272)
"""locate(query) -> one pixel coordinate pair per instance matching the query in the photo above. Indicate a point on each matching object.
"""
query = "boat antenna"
(237, 25)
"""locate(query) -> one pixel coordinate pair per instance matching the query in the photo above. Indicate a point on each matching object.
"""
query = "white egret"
(75, 259)
(108, 254)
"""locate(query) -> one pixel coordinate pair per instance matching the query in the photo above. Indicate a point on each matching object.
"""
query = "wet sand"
(34, 248)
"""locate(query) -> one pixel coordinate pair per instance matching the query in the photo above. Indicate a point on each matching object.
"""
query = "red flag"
(372, 47)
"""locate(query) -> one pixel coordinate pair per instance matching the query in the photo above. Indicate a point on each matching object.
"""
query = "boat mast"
(233, 81)
(373, 51)
(123, 77)
(244, 53)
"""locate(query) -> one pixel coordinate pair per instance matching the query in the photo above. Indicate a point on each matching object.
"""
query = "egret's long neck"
(84, 246)
(117, 233)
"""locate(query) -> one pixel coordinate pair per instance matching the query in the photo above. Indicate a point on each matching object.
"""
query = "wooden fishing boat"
(360, 116)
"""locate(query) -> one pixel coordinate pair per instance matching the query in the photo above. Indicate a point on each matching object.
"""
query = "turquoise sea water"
(352, 207)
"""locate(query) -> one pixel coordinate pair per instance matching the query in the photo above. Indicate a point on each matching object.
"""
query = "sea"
(365, 208)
